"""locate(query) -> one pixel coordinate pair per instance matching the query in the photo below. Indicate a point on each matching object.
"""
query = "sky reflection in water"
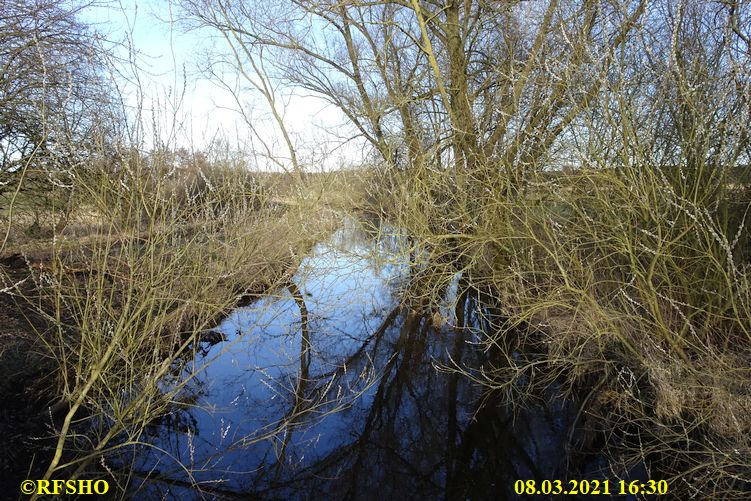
(373, 418)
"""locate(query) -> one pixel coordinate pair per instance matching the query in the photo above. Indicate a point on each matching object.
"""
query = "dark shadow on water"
(332, 388)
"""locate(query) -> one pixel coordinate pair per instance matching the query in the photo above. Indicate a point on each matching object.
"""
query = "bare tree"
(53, 103)
(676, 105)
(475, 92)
(51, 86)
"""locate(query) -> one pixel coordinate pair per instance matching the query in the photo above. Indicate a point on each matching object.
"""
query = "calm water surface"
(331, 389)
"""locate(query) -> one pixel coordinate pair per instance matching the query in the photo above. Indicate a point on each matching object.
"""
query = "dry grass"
(144, 265)
(626, 295)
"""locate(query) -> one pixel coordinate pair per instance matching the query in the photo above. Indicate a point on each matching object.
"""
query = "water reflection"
(328, 389)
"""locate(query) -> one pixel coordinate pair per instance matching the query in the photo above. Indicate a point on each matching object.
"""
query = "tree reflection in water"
(329, 390)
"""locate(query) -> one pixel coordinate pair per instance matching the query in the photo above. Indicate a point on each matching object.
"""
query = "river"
(332, 388)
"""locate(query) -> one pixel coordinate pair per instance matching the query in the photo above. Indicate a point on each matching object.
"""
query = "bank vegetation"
(584, 165)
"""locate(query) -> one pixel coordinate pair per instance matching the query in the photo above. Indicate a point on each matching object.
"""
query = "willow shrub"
(164, 257)
(634, 298)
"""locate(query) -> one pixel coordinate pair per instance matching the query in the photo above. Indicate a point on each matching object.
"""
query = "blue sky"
(190, 110)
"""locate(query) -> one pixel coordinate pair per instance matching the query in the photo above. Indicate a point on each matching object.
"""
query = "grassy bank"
(619, 288)
(97, 310)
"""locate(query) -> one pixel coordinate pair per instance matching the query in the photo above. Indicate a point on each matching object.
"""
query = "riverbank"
(626, 290)
(95, 313)
(582, 307)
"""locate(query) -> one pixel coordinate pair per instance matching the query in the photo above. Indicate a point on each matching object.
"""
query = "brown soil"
(25, 429)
